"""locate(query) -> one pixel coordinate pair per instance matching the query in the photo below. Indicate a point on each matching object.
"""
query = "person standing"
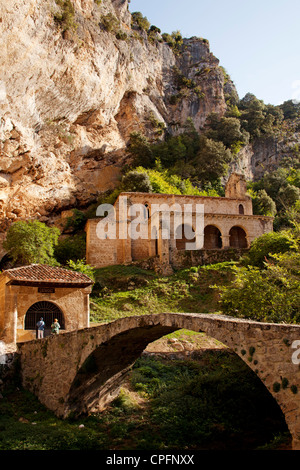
(55, 327)
(40, 328)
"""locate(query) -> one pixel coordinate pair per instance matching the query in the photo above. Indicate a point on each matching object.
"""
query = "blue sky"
(258, 41)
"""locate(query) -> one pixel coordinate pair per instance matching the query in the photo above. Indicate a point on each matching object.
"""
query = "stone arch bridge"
(80, 371)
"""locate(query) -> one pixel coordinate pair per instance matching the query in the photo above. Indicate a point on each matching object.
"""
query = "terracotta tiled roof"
(40, 273)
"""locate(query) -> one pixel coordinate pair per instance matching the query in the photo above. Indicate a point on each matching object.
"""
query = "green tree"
(269, 295)
(288, 195)
(257, 118)
(135, 181)
(76, 222)
(140, 150)
(212, 160)
(31, 242)
(82, 267)
(282, 185)
(253, 115)
(70, 248)
(263, 204)
(227, 130)
(269, 244)
(290, 109)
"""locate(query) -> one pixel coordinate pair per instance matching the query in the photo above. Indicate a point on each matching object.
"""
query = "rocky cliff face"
(266, 155)
(76, 78)
(71, 92)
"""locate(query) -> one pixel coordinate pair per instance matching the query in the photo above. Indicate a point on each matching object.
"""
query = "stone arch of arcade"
(212, 237)
(185, 233)
(80, 371)
(238, 237)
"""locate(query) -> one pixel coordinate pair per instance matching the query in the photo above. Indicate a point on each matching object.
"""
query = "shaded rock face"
(70, 97)
(265, 155)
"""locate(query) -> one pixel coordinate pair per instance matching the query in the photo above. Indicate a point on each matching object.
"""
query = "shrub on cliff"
(174, 40)
(31, 242)
(110, 23)
(228, 131)
(66, 16)
(140, 20)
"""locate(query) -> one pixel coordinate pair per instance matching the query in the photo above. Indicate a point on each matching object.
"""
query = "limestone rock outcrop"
(72, 91)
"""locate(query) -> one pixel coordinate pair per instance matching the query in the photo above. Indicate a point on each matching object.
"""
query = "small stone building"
(30, 292)
(227, 225)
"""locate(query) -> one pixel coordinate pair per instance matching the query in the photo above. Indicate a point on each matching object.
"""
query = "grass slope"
(122, 291)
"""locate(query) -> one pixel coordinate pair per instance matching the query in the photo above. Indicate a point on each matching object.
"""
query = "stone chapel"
(228, 226)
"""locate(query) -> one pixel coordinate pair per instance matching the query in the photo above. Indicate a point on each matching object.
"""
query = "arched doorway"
(238, 238)
(184, 234)
(49, 311)
(212, 238)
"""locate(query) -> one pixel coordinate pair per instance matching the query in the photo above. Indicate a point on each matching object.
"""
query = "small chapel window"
(147, 211)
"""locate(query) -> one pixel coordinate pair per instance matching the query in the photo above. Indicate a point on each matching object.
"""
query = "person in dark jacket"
(40, 328)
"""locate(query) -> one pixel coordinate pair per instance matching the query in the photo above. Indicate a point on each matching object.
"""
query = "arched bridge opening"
(80, 371)
(98, 380)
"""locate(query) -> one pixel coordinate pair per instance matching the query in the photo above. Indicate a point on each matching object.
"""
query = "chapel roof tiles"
(40, 273)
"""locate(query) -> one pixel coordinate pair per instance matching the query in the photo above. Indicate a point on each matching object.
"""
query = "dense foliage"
(267, 287)
(269, 295)
(70, 248)
(80, 266)
(31, 242)
(278, 192)
(141, 21)
(269, 244)
(189, 156)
